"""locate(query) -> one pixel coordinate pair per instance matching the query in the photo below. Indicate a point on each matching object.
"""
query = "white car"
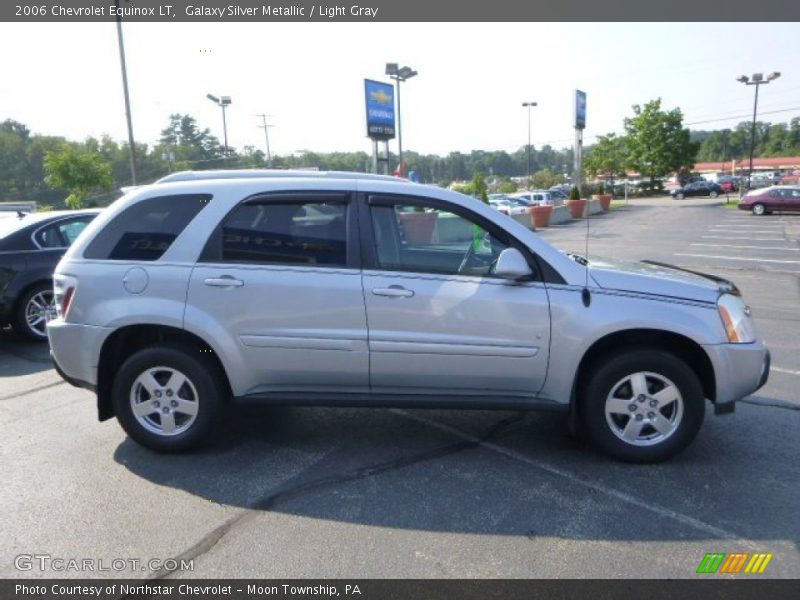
(536, 197)
(508, 205)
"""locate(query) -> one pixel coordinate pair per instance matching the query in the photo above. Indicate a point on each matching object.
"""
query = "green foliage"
(79, 171)
(544, 179)
(507, 187)
(480, 189)
(607, 157)
(574, 193)
(734, 144)
(656, 142)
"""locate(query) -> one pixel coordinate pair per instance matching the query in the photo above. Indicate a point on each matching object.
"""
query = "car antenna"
(586, 296)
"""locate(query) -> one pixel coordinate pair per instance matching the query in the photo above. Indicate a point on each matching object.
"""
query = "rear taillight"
(63, 292)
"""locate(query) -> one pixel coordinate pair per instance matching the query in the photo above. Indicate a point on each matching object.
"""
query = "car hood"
(649, 277)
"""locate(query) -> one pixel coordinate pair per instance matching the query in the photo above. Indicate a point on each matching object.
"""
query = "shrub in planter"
(575, 203)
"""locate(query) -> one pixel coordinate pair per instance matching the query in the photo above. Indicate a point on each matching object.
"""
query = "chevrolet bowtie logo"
(380, 97)
(741, 562)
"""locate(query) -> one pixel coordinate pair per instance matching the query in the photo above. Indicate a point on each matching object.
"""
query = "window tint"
(50, 237)
(296, 233)
(432, 241)
(145, 230)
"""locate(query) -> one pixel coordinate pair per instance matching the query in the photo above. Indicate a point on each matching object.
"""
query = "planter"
(418, 227)
(576, 208)
(540, 215)
(604, 199)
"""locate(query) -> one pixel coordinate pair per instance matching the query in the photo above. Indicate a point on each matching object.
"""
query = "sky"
(64, 79)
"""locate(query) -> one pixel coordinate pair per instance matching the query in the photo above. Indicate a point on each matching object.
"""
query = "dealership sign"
(380, 109)
(580, 109)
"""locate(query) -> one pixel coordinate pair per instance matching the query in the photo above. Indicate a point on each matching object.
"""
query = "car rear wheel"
(713, 194)
(759, 209)
(34, 309)
(679, 196)
(642, 406)
(167, 397)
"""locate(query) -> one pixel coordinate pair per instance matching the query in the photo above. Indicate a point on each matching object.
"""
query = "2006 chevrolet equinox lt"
(338, 289)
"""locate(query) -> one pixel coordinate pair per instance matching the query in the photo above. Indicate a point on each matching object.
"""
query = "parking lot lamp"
(399, 74)
(757, 80)
(529, 105)
(223, 102)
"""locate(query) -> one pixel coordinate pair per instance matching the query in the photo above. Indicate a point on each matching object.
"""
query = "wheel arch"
(681, 346)
(125, 341)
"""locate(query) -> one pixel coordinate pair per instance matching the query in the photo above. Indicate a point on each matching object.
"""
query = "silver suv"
(356, 290)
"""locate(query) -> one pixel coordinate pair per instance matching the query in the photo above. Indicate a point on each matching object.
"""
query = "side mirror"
(512, 265)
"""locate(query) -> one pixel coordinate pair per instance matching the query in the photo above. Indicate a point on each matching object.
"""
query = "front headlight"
(735, 315)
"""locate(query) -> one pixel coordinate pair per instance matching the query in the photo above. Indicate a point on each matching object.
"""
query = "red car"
(781, 198)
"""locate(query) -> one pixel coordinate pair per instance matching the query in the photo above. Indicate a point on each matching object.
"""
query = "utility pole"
(131, 146)
(266, 127)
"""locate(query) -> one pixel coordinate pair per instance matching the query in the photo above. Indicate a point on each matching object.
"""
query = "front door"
(439, 320)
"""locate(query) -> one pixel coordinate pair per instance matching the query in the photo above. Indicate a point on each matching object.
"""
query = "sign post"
(379, 100)
(580, 124)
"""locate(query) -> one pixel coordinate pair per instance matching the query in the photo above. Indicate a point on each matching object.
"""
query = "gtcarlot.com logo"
(47, 562)
(735, 563)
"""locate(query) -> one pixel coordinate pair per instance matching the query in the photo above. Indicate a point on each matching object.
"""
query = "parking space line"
(746, 247)
(573, 478)
(764, 260)
(749, 239)
(786, 371)
(721, 230)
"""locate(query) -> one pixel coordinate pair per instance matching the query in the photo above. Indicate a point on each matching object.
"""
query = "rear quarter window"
(145, 230)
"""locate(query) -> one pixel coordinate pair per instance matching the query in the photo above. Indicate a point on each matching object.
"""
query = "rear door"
(439, 320)
(281, 276)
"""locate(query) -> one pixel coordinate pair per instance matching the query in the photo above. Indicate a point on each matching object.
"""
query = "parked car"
(536, 197)
(697, 188)
(361, 290)
(508, 205)
(30, 247)
(780, 198)
(728, 183)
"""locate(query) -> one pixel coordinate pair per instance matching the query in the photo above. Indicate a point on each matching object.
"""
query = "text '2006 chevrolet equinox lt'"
(341, 289)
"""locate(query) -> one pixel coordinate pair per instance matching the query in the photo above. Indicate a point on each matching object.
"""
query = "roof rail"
(263, 173)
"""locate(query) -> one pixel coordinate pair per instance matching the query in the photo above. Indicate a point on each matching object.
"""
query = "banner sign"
(380, 109)
(580, 109)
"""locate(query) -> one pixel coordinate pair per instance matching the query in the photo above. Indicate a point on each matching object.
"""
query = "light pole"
(131, 147)
(222, 102)
(266, 127)
(757, 80)
(529, 105)
(399, 74)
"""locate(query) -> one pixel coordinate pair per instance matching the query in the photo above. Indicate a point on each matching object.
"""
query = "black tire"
(759, 209)
(20, 322)
(206, 382)
(605, 379)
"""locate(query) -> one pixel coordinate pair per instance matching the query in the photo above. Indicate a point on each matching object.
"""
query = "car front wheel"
(642, 406)
(167, 397)
(679, 196)
(759, 209)
(713, 194)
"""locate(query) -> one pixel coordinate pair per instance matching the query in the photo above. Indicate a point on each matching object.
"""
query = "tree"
(544, 179)
(80, 171)
(656, 142)
(607, 157)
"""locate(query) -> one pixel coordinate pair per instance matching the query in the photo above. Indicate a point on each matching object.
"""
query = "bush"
(574, 193)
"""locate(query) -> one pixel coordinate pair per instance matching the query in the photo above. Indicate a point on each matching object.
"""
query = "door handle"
(393, 291)
(224, 281)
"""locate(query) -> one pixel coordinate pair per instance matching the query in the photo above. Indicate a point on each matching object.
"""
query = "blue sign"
(580, 109)
(380, 109)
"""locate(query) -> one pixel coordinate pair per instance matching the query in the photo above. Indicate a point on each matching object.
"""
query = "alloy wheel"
(164, 401)
(644, 409)
(40, 309)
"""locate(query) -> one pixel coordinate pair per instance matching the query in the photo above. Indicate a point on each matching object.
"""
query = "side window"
(62, 233)
(291, 233)
(432, 240)
(145, 230)
(72, 229)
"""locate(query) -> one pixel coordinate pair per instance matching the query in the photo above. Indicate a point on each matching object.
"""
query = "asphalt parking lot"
(308, 492)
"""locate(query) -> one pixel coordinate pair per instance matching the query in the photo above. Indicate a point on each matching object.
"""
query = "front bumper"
(739, 370)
